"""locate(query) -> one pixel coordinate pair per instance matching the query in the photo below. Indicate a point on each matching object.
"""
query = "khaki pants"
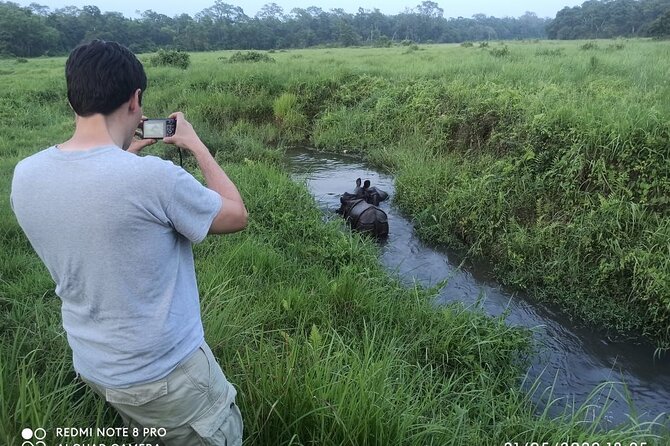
(193, 405)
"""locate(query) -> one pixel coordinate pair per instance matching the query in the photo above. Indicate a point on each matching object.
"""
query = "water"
(572, 358)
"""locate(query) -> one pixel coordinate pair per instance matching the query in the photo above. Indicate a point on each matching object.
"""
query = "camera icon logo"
(38, 435)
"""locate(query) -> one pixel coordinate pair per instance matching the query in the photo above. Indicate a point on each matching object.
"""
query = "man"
(115, 231)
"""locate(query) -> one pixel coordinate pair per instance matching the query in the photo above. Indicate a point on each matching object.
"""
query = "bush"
(171, 58)
(249, 56)
(411, 48)
(589, 46)
(500, 52)
(21, 60)
(556, 52)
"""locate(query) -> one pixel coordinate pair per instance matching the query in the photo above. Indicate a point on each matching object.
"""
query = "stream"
(571, 358)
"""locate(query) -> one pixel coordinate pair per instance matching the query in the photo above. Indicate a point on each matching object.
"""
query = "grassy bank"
(323, 346)
(551, 165)
(547, 159)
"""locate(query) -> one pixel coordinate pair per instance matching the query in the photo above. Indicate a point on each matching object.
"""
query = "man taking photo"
(115, 230)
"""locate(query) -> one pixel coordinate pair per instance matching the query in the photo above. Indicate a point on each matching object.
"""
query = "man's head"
(101, 76)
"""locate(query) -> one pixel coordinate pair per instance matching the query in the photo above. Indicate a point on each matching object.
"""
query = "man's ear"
(135, 100)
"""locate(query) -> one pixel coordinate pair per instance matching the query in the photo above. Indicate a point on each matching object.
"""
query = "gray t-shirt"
(115, 230)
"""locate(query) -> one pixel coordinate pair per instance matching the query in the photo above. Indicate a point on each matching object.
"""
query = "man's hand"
(184, 135)
(137, 144)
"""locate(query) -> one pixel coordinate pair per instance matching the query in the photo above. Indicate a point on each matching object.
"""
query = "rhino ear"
(366, 184)
(358, 182)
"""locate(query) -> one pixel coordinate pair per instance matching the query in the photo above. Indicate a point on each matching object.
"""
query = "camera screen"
(154, 129)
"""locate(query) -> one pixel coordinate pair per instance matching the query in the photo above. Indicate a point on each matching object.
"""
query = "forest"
(36, 30)
(607, 19)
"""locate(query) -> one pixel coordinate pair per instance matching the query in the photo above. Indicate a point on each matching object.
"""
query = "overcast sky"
(453, 8)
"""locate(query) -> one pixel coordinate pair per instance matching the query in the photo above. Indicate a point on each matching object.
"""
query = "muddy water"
(571, 358)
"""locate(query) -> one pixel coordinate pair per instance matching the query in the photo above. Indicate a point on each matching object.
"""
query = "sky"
(463, 8)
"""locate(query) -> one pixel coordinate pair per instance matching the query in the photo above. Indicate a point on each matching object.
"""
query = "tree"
(158, 29)
(71, 30)
(224, 12)
(430, 9)
(371, 24)
(271, 11)
(660, 28)
(606, 18)
(22, 33)
(37, 9)
(346, 35)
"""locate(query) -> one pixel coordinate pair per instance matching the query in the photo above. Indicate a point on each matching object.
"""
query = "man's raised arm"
(233, 214)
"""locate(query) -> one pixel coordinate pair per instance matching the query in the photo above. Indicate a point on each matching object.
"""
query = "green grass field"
(547, 159)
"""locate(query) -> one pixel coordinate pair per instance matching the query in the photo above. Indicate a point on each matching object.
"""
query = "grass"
(323, 346)
(560, 177)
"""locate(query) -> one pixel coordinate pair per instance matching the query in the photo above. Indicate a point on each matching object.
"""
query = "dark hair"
(101, 76)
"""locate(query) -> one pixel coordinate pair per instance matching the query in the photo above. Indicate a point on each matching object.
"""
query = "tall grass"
(289, 118)
(323, 346)
(562, 178)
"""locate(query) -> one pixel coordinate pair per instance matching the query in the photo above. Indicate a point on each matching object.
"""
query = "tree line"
(37, 30)
(596, 19)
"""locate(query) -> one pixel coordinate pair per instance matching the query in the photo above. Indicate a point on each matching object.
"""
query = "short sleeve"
(192, 207)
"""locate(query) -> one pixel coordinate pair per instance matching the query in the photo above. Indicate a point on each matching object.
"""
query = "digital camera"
(158, 128)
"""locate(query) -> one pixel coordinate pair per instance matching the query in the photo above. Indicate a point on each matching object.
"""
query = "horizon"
(393, 7)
